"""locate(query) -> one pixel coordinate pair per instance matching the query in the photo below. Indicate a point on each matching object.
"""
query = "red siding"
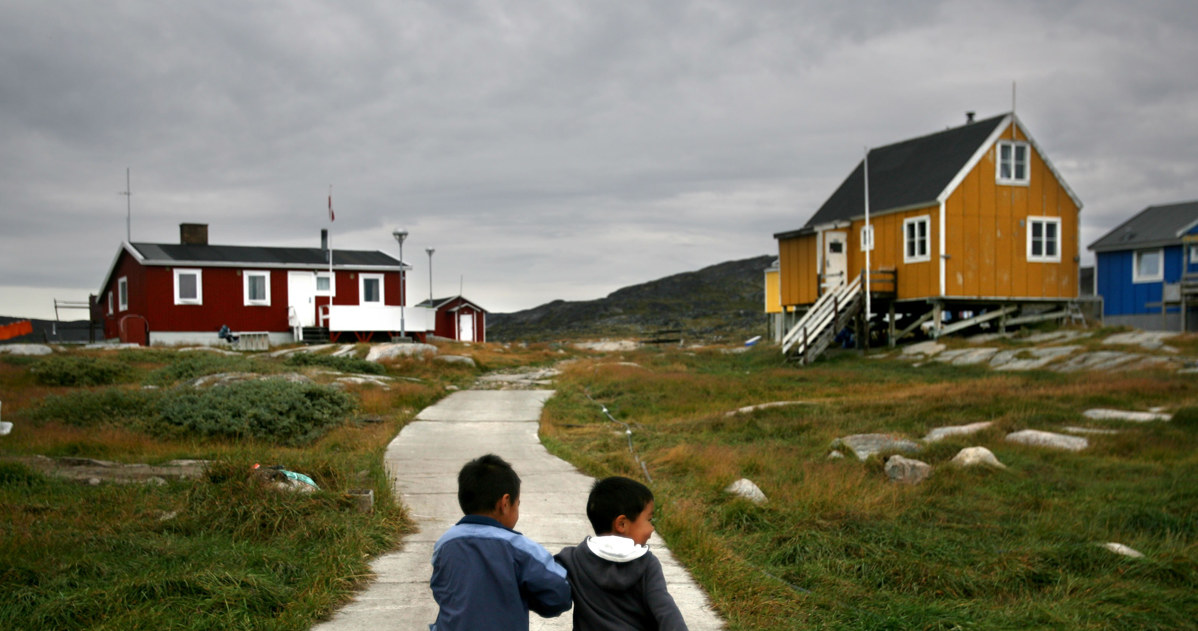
(151, 293)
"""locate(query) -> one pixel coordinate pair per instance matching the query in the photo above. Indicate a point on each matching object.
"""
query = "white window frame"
(247, 276)
(332, 290)
(199, 297)
(110, 311)
(1159, 276)
(926, 221)
(1056, 240)
(122, 292)
(1194, 252)
(362, 278)
(1016, 147)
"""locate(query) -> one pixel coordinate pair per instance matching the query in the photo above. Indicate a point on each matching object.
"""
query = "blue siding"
(1120, 295)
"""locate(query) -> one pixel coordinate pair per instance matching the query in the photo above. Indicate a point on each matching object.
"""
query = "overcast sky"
(546, 149)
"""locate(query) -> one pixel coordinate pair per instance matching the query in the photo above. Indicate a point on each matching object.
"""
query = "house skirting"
(1153, 321)
(208, 338)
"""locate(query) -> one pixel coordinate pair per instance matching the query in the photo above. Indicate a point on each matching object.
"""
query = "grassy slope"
(838, 546)
(224, 552)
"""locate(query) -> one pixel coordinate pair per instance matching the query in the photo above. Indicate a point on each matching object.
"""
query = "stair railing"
(819, 317)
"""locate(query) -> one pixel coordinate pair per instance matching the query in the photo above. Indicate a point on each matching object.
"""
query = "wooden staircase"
(314, 335)
(812, 334)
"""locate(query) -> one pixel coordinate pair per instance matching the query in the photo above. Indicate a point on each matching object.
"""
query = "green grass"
(836, 547)
(222, 552)
(839, 547)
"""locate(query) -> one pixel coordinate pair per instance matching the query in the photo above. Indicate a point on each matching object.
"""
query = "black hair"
(484, 481)
(615, 496)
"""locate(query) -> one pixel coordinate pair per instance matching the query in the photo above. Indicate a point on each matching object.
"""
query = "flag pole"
(868, 245)
(332, 279)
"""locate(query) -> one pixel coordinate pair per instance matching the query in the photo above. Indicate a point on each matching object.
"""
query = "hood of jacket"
(616, 549)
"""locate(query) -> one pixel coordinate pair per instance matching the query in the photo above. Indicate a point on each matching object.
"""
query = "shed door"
(466, 326)
(301, 296)
(835, 259)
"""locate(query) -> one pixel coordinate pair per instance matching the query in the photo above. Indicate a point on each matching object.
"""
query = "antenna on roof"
(1012, 110)
(128, 193)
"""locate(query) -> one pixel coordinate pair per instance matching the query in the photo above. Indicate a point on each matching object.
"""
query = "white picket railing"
(819, 317)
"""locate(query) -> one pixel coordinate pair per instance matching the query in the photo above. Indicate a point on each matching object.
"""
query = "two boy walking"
(488, 576)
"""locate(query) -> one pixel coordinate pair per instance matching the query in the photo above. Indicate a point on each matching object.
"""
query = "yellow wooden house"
(970, 224)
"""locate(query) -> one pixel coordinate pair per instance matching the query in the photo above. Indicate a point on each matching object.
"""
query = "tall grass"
(839, 546)
(223, 551)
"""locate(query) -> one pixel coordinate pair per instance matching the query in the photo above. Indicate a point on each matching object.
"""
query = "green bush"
(277, 411)
(80, 370)
(94, 407)
(184, 366)
(342, 364)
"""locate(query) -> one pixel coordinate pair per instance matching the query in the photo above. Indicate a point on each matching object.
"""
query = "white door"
(466, 327)
(836, 262)
(301, 296)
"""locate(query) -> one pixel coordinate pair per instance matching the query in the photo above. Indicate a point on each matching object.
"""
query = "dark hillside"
(723, 302)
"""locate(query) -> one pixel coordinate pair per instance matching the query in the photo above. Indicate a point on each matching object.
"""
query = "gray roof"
(910, 174)
(437, 303)
(1154, 226)
(239, 255)
(251, 256)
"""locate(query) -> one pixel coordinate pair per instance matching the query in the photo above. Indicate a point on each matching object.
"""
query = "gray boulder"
(26, 349)
(939, 433)
(907, 470)
(1051, 440)
(975, 456)
(456, 359)
(1101, 414)
(379, 352)
(866, 445)
(745, 488)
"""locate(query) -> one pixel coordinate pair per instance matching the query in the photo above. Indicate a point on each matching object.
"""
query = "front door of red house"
(301, 296)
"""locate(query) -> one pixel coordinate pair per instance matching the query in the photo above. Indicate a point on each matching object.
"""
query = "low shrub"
(276, 411)
(94, 407)
(80, 370)
(344, 363)
(186, 366)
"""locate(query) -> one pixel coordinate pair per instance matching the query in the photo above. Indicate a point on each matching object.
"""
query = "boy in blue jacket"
(486, 575)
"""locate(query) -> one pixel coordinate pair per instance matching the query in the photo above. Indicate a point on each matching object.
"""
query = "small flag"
(332, 217)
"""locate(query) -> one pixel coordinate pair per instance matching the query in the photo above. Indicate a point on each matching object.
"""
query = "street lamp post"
(430, 276)
(400, 235)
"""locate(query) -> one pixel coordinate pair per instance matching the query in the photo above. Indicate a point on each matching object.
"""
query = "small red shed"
(457, 319)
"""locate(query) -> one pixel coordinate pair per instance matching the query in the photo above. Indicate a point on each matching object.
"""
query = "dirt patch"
(92, 471)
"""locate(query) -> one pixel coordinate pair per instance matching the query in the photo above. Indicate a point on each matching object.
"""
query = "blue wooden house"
(1147, 269)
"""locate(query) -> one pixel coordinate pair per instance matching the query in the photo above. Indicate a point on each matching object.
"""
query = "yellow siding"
(799, 276)
(986, 226)
(773, 294)
(915, 280)
(985, 239)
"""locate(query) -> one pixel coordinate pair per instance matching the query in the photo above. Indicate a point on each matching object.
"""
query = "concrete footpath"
(424, 460)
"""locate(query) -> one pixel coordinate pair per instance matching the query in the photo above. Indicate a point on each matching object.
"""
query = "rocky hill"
(723, 302)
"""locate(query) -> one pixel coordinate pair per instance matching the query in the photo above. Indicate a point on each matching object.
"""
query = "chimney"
(968, 117)
(193, 233)
(324, 239)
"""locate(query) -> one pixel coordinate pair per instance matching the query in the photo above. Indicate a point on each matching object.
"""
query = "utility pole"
(400, 235)
(128, 193)
(430, 276)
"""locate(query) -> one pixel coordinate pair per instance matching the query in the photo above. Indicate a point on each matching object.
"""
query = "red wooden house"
(185, 293)
(457, 319)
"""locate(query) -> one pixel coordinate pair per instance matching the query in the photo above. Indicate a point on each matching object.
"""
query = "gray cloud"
(547, 149)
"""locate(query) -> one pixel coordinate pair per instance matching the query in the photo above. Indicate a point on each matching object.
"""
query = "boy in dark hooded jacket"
(616, 581)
